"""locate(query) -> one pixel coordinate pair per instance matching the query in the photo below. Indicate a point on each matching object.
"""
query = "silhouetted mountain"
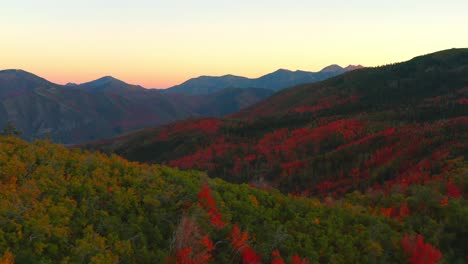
(223, 102)
(15, 82)
(353, 67)
(285, 78)
(108, 84)
(103, 108)
(209, 84)
(230, 100)
(275, 81)
(75, 114)
(333, 68)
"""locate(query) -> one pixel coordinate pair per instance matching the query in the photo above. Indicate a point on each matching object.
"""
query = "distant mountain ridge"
(275, 81)
(105, 107)
(108, 83)
(70, 114)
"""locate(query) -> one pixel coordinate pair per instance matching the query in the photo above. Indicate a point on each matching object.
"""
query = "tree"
(10, 130)
(191, 247)
(418, 251)
(7, 258)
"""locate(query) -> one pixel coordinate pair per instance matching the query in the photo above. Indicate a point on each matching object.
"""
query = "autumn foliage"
(191, 247)
(239, 243)
(340, 171)
(208, 203)
(7, 258)
(418, 251)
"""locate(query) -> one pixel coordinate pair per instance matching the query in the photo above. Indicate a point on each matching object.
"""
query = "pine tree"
(10, 130)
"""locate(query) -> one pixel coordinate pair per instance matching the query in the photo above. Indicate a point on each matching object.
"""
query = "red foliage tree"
(183, 256)
(404, 210)
(444, 201)
(452, 190)
(276, 257)
(206, 241)
(298, 260)
(239, 242)
(238, 238)
(387, 211)
(209, 204)
(190, 246)
(249, 256)
(418, 251)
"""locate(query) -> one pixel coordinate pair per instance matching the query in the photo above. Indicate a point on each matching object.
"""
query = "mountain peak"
(353, 67)
(12, 74)
(107, 78)
(281, 70)
(232, 76)
(108, 83)
(11, 71)
(103, 81)
(332, 68)
(18, 72)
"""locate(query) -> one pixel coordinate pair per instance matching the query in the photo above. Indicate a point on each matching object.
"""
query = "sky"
(158, 43)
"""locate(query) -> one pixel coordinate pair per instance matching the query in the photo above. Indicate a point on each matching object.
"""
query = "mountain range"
(94, 110)
(275, 81)
(107, 106)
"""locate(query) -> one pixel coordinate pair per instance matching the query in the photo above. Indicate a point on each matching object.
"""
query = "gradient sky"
(162, 43)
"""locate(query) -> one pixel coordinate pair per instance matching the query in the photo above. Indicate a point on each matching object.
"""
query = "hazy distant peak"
(108, 83)
(353, 67)
(103, 81)
(231, 76)
(71, 84)
(107, 79)
(12, 74)
(275, 81)
(11, 71)
(18, 72)
(332, 68)
(282, 70)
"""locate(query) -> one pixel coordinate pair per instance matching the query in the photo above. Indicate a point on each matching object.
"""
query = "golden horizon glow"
(158, 44)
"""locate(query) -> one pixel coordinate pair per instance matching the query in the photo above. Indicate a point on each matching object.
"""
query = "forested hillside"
(391, 139)
(367, 130)
(70, 206)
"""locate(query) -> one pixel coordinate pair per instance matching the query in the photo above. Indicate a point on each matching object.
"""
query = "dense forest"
(386, 135)
(370, 129)
(72, 206)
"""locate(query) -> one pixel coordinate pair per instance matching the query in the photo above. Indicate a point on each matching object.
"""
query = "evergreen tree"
(10, 130)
